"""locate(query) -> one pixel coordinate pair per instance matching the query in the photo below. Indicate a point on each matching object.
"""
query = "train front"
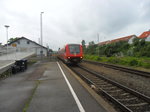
(74, 53)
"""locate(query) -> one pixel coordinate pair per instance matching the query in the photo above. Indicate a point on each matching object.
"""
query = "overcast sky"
(71, 21)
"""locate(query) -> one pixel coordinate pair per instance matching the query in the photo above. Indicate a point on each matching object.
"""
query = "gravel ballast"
(138, 83)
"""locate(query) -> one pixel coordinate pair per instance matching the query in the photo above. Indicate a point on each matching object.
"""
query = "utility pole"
(41, 32)
(6, 26)
(39, 41)
(97, 38)
(98, 42)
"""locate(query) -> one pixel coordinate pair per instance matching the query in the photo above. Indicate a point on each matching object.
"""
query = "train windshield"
(74, 49)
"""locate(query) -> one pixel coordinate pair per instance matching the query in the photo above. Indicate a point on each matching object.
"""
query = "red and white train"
(71, 53)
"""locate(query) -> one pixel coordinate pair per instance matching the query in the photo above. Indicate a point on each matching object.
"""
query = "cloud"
(70, 21)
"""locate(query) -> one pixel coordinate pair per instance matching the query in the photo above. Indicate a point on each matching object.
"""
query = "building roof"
(19, 38)
(117, 40)
(104, 43)
(145, 34)
(122, 39)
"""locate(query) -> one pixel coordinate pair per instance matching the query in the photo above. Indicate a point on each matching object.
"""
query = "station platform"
(16, 55)
(8, 59)
(46, 87)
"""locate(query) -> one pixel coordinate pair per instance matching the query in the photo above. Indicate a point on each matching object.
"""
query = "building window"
(18, 42)
(28, 42)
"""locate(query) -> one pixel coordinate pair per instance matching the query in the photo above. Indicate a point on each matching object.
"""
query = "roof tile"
(145, 34)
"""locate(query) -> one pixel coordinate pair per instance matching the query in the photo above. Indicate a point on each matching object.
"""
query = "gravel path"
(135, 82)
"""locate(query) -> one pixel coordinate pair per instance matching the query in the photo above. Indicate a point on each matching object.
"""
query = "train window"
(74, 49)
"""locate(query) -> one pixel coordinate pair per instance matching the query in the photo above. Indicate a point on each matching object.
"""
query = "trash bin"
(15, 69)
(20, 65)
(25, 63)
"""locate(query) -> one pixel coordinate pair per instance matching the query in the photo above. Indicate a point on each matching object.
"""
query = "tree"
(91, 43)
(83, 45)
(136, 41)
(12, 39)
(83, 42)
(50, 50)
(91, 48)
(142, 42)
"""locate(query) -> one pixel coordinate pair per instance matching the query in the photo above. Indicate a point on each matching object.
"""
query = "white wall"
(148, 38)
(24, 46)
(38, 51)
(131, 39)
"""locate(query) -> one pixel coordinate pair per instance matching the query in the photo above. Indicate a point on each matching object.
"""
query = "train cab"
(71, 53)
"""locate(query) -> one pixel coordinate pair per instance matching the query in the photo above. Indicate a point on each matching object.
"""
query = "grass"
(6, 74)
(30, 98)
(31, 62)
(143, 62)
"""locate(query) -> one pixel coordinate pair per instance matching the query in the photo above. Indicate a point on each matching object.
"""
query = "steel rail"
(105, 93)
(125, 69)
(119, 85)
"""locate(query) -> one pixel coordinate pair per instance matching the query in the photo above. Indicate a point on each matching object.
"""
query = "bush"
(128, 61)
(133, 62)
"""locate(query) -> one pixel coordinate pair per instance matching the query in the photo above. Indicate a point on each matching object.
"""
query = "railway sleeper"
(97, 81)
(91, 77)
(137, 106)
(124, 94)
(106, 85)
(143, 107)
(135, 102)
(127, 99)
(110, 88)
(101, 83)
(117, 91)
(118, 95)
(94, 78)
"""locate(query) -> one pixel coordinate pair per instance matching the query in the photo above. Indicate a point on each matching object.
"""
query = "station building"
(23, 44)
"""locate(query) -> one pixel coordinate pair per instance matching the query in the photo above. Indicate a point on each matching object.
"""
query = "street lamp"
(6, 26)
(41, 34)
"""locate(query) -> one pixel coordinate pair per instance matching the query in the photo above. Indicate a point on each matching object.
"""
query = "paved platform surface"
(51, 92)
(15, 91)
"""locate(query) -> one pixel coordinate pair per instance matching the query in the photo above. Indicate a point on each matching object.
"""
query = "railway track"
(123, 97)
(125, 69)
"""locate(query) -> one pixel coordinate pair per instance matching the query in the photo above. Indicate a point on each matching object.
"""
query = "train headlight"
(81, 57)
(68, 57)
